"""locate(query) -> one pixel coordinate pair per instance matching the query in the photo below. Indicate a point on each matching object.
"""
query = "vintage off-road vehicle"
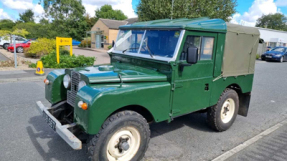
(159, 70)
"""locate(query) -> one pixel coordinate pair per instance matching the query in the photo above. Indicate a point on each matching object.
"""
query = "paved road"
(101, 57)
(25, 136)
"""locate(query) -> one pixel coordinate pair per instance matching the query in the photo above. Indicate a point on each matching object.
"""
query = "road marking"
(240, 147)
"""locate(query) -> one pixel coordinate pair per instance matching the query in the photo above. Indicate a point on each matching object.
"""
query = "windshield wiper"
(150, 52)
(128, 49)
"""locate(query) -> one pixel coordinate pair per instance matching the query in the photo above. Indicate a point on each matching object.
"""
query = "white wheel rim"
(281, 60)
(114, 153)
(227, 110)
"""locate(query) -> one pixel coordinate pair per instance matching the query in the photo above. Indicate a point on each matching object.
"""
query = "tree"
(68, 17)
(90, 21)
(161, 9)
(275, 21)
(107, 12)
(19, 32)
(27, 16)
(6, 24)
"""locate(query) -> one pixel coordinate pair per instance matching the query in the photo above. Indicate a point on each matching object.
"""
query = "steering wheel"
(134, 47)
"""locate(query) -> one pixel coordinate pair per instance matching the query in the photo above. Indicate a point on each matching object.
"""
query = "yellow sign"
(61, 41)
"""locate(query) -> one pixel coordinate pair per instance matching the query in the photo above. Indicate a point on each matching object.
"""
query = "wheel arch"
(139, 109)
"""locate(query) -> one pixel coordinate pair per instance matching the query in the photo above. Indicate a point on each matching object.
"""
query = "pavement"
(3, 58)
(102, 57)
(26, 136)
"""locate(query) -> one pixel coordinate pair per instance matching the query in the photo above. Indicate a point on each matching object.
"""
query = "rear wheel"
(124, 137)
(221, 116)
(20, 50)
(5, 46)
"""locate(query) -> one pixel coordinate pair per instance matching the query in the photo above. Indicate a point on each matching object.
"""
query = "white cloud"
(22, 5)
(258, 8)
(124, 5)
(4, 15)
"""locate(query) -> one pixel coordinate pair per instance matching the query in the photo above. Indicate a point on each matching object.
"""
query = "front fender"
(55, 90)
(103, 101)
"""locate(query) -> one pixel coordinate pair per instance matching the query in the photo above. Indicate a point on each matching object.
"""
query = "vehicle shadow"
(196, 121)
(50, 145)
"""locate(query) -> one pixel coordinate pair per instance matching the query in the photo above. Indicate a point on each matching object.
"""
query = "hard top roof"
(199, 24)
(204, 24)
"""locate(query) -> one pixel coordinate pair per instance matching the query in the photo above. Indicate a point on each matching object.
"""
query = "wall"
(273, 37)
(103, 27)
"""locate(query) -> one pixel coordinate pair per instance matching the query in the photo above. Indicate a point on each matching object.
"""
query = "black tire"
(98, 144)
(5, 46)
(19, 50)
(214, 113)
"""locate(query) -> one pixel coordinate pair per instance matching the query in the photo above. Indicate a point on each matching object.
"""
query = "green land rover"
(159, 70)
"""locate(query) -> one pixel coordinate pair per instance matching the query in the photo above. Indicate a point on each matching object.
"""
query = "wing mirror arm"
(191, 58)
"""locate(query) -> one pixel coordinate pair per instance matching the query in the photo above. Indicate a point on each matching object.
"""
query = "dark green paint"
(55, 91)
(158, 86)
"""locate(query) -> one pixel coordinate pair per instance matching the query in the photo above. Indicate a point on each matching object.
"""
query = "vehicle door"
(192, 85)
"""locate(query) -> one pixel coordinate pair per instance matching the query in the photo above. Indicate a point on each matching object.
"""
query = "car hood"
(273, 52)
(120, 73)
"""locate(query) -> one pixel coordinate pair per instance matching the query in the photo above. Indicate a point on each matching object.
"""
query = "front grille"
(72, 93)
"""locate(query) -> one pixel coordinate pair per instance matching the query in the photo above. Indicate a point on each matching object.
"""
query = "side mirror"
(113, 43)
(192, 55)
(191, 58)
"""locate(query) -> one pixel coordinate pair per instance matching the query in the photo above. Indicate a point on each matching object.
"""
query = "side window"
(206, 48)
(204, 45)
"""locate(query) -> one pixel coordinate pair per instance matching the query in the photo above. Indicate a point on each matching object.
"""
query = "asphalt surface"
(272, 148)
(101, 57)
(25, 135)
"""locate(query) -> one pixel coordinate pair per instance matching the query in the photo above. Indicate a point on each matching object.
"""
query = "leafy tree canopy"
(6, 24)
(68, 17)
(90, 21)
(161, 9)
(107, 12)
(275, 21)
(27, 16)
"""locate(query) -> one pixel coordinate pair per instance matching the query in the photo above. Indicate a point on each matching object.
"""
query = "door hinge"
(173, 86)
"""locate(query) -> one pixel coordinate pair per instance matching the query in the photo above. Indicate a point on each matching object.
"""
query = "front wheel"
(281, 59)
(222, 115)
(124, 137)
(20, 50)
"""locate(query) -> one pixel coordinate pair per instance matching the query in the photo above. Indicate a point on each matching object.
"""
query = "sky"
(247, 11)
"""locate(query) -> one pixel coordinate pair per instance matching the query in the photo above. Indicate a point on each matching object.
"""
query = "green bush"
(42, 46)
(109, 47)
(257, 56)
(86, 43)
(66, 61)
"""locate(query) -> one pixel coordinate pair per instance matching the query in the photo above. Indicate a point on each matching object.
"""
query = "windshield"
(151, 42)
(278, 49)
(25, 42)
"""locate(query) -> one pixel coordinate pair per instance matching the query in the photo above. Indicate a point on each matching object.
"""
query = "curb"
(250, 141)
(39, 78)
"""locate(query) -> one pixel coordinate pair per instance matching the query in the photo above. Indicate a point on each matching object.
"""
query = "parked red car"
(20, 46)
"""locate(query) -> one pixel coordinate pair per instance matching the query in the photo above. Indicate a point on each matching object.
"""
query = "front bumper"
(273, 58)
(62, 130)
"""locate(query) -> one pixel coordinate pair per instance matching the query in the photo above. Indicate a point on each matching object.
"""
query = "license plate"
(49, 121)
(268, 56)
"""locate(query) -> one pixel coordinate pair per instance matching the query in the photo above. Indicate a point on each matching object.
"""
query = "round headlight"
(67, 81)
(81, 85)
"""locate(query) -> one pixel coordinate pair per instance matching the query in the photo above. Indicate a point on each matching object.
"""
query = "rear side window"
(204, 45)
(206, 48)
